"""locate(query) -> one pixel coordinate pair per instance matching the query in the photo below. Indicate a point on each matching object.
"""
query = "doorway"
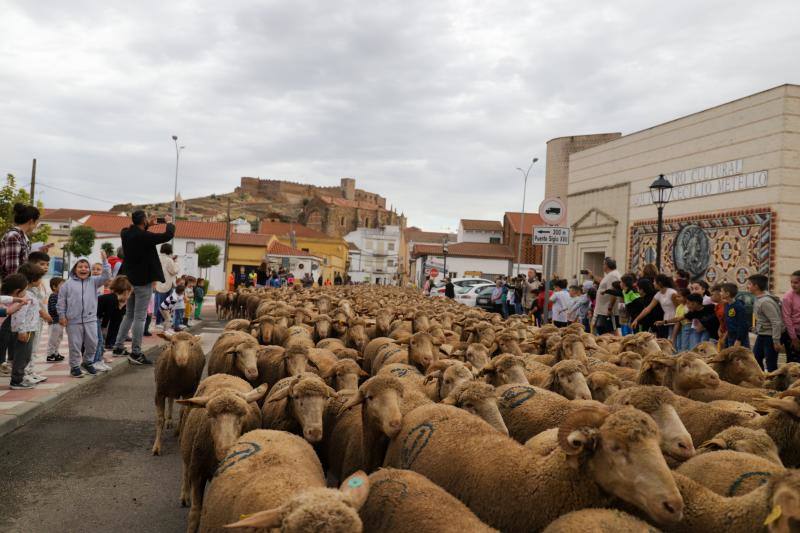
(594, 262)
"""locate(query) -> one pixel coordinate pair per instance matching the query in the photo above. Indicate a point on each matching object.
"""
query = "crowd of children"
(88, 306)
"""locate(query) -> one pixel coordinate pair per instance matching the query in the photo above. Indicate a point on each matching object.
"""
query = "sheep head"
(654, 370)
(227, 412)
(509, 344)
(479, 399)
(738, 365)
(448, 373)
(784, 377)
(296, 360)
(245, 358)
(357, 334)
(629, 360)
(262, 328)
(742, 439)
(691, 372)
(504, 369)
(336, 509)
(345, 374)
(422, 350)
(568, 378)
(307, 395)
(602, 384)
(785, 500)
(620, 451)
(706, 348)
(788, 401)
(477, 355)
(322, 326)
(380, 396)
(181, 345)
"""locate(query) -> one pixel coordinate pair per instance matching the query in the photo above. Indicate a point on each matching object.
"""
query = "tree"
(108, 248)
(10, 195)
(207, 256)
(81, 241)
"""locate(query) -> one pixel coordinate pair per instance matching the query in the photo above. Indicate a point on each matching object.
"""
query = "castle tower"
(348, 186)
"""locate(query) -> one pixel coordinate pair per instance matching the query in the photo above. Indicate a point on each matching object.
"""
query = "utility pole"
(33, 182)
(227, 243)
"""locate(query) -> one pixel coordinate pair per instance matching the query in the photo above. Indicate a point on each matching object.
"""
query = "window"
(390, 262)
(305, 249)
(190, 247)
(391, 247)
(494, 240)
(342, 222)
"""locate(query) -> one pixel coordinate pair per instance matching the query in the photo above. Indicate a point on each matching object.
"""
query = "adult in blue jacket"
(143, 269)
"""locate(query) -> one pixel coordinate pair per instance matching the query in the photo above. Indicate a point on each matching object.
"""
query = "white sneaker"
(5, 369)
(37, 378)
(101, 367)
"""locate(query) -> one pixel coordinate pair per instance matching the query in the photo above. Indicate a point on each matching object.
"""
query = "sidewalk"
(17, 407)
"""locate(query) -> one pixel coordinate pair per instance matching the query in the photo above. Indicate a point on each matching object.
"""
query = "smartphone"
(161, 220)
(584, 272)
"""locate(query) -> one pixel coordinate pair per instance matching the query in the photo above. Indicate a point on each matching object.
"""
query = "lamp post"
(444, 253)
(522, 213)
(660, 193)
(175, 192)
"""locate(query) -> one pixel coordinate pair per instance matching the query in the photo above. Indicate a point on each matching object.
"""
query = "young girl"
(199, 294)
(77, 312)
(682, 332)
(110, 311)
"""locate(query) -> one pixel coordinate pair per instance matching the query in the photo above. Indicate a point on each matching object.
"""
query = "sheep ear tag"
(773, 515)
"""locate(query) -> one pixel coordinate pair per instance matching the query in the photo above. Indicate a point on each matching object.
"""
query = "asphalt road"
(86, 465)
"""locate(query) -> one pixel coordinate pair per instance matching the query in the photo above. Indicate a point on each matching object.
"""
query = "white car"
(460, 283)
(468, 295)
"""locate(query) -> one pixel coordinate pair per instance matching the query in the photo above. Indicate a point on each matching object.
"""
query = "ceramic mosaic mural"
(718, 247)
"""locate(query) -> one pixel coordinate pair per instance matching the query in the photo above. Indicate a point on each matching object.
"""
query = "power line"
(74, 193)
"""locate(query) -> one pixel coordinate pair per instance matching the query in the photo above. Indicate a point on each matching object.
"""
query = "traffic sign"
(434, 273)
(551, 235)
(553, 211)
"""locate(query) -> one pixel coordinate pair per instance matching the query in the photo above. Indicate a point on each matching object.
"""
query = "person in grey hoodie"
(77, 312)
(769, 323)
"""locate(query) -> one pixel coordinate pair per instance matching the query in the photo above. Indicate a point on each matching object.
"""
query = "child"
(13, 298)
(24, 325)
(579, 310)
(188, 299)
(56, 329)
(735, 317)
(719, 311)
(705, 324)
(634, 304)
(199, 294)
(561, 302)
(174, 303)
(769, 324)
(110, 311)
(682, 332)
(77, 312)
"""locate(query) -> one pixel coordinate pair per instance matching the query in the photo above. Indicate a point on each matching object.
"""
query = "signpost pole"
(545, 277)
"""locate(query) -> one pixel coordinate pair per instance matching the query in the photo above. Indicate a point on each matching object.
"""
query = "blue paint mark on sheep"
(516, 396)
(399, 372)
(734, 488)
(415, 442)
(240, 452)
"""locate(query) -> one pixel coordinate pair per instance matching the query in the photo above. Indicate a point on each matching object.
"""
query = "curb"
(30, 409)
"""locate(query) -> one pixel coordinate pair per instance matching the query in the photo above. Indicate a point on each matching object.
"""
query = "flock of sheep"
(432, 416)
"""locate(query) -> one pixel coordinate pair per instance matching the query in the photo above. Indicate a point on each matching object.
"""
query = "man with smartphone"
(605, 303)
(143, 269)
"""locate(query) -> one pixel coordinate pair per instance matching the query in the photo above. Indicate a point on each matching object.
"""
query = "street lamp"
(175, 192)
(660, 193)
(522, 214)
(444, 253)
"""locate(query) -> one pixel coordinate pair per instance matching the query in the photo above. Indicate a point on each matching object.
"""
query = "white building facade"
(377, 258)
(485, 231)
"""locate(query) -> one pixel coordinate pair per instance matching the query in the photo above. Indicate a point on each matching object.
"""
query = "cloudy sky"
(431, 104)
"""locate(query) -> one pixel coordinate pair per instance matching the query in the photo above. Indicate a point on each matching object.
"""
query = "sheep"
(503, 370)
(599, 521)
(444, 376)
(572, 347)
(298, 336)
(783, 378)
(623, 373)
(178, 371)
(237, 324)
(234, 353)
(603, 384)
(370, 351)
(263, 328)
(331, 344)
(742, 439)
(567, 378)
(357, 428)
(292, 498)
(387, 354)
(356, 335)
(223, 410)
(737, 407)
(641, 343)
(774, 504)
(683, 374)
(322, 327)
(729, 391)
(402, 501)
(728, 472)
(344, 375)
(477, 355)
(601, 455)
(296, 404)
(479, 399)
(276, 363)
(737, 365)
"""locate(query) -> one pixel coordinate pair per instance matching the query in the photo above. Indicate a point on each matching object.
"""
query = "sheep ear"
(198, 338)
(164, 335)
(255, 394)
(352, 402)
(549, 381)
(774, 373)
(329, 373)
(450, 400)
(580, 431)
(788, 406)
(262, 520)
(362, 373)
(197, 401)
(331, 393)
(356, 489)
(714, 444)
(433, 376)
(281, 394)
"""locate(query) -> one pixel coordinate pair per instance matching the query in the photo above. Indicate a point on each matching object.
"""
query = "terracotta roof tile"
(66, 214)
(250, 239)
(481, 225)
(417, 235)
(282, 229)
(184, 229)
(466, 249)
(278, 248)
(529, 220)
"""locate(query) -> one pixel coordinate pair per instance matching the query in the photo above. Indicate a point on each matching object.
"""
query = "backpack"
(748, 301)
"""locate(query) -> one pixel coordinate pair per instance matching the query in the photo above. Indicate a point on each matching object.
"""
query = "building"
(331, 250)
(61, 222)
(247, 251)
(464, 259)
(415, 235)
(488, 231)
(531, 256)
(189, 236)
(734, 208)
(338, 216)
(376, 255)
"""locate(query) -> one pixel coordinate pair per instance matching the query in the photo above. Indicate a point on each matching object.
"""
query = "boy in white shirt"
(561, 303)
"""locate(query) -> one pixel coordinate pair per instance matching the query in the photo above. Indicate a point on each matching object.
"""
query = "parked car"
(483, 298)
(468, 295)
(438, 288)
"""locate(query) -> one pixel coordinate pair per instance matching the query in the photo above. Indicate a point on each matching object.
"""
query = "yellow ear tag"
(243, 516)
(773, 515)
